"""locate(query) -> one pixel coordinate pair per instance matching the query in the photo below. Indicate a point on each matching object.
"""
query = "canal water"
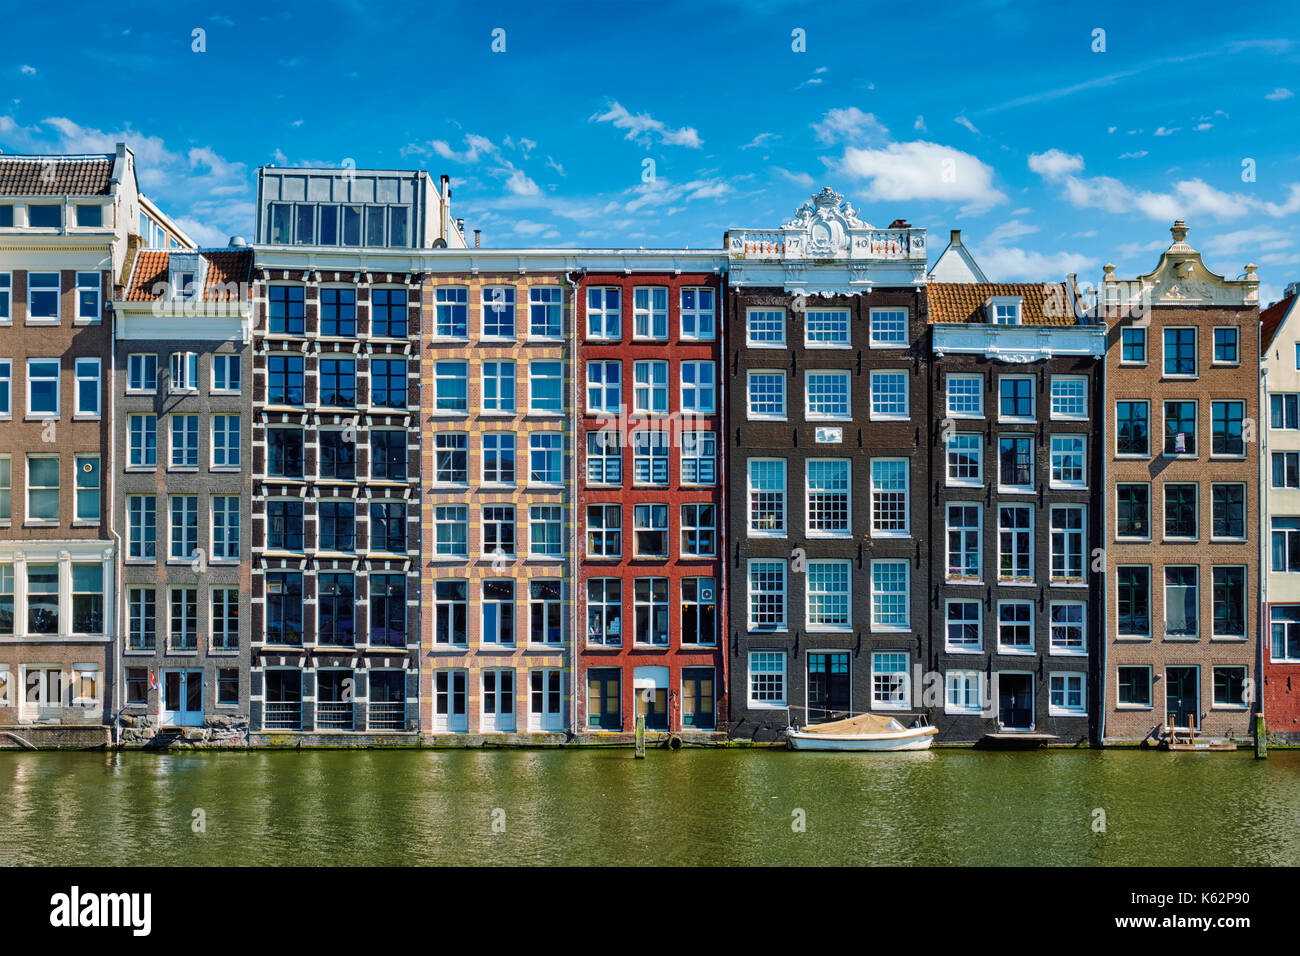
(579, 806)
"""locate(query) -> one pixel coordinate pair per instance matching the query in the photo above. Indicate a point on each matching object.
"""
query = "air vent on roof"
(440, 243)
(238, 242)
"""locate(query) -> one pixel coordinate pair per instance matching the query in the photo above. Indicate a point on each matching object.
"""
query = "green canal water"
(327, 808)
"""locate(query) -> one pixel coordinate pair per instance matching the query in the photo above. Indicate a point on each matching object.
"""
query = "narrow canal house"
(828, 465)
(1015, 616)
(181, 388)
(335, 457)
(1279, 437)
(1182, 493)
(497, 500)
(67, 225)
(650, 494)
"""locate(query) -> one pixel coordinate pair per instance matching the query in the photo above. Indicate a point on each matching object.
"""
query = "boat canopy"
(861, 724)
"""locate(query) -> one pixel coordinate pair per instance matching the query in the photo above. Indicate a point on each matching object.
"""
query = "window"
(141, 526)
(1284, 632)
(1015, 544)
(498, 387)
(183, 372)
(545, 394)
(544, 458)
(450, 533)
(183, 285)
(284, 452)
(650, 312)
(87, 598)
(450, 456)
(6, 488)
(697, 313)
(284, 380)
(1133, 346)
(1180, 511)
(962, 626)
(337, 521)
(1133, 600)
(965, 456)
(1286, 469)
(388, 527)
(699, 458)
(388, 383)
(1005, 313)
(604, 531)
(1225, 347)
(650, 531)
(450, 387)
(1229, 602)
(42, 488)
(1067, 543)
(6, 293)
(604, 611)
(141, 372)
(964, 550)
(650, 609)
(183, 619)
(889, 588)
(228, 686)
(338, 313)
(604, 312)
(1182, 603)
(545, 312)
(888, 328)
(284, 525)
(604, 387)
(1180, 428)
(828, 596)
(450, 612)
(42, 387)
(43, 297)
(827, 395)
(1069, 397)
(544, 531)
(1131, 428)
(224, 614)
(388, 313)
(766, 497)
(499, 458)
(699, 611)
(889, 480)
(451, 312)
(90, 215)
(498, 530)
(650, 457)
(1016, 398)
(335, 609)
(86, 371)
(498, 312)
(141, 619)
(1226, 428)
(1230, 687)
(89, 289)
(1134, 686)
(604, 458)
(826, 328)
(650, 392)
(337, 453)
(285, 309)
(767, 595)
(1133, 510)
(225, 373)
(1284, 410)
(1066, 697)
(1015, 627)
(87, 484)
(225, 527)
(889, 395)
(184, 441)
(546, 622)
(766, 394)
(1180, 352)
(965, 396)
(225, 441)
(1067, 628)
(699, 531)
(1229, 511)
(962, 692)
(43, 599)
(766, 679)
(827, 489)
(184, 527)
(889, 680)
(498, 612)
(765, 328)
(698, 388)
(284, 607)
(1068, 461)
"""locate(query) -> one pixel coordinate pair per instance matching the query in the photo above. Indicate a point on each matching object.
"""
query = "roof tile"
(964, 301)
(55, 176)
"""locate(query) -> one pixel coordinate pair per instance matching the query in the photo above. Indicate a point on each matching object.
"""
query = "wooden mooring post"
(640, 736)
(1261, 737)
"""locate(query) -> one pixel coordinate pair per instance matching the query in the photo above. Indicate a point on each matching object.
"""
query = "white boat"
(864, 732)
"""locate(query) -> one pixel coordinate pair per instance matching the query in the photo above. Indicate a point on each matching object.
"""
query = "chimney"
(955, 240)
(444, 193)
(477, 232)
(1292, 288)
(460, 226)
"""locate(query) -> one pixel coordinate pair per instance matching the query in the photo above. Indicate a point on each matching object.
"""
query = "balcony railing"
(283, 716)
(388, 716)
(332, 715)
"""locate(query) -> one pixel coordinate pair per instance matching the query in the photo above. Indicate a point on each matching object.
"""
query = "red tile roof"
(1270, 320)
(224, 268)
(56, 176)
(965, 301)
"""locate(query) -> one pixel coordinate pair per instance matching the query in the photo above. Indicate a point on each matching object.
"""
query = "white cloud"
(1009, 264)
(526, 227)
(662, 192)
(922, 170)
(1281, 93)
(1005, 232)
(476, 147)
(296, 123)
(1054, 163)
(643, 128)
(847, 124)
(963, 121)
(920, 123)
(1136, 154)
(552, 164)
(799, 179)
(1165, 131)
(760, 140)
(520, 184)
(1249, 241)
(1201, 127)
(29, 70)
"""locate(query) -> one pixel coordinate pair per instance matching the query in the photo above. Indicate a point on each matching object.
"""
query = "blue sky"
(1062, 157)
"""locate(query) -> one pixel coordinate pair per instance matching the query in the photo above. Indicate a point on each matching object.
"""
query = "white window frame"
(500, 307)
(229, 362)
(904, 700)
(873, 337)
(906, 531)
(698, 396)
(949, 646)
(846, 492)
(533, 376)
(782, 624)
(784, 492)
(1033, 397)
(1059, 457)
(978, 379)
(844, 566)
(749, 396)
(698, 313)
(188, 381)
(773, 343)
(1068, 678)
(654, 389)
(876, 623)
(1015, 580)
(58, 298)
(1003, 647)
(656, 309)
(1082, 532)
(604, 313)
(971, 684)
(89, 282)
(962, 482)
(58, 388)
(1066, 381)
(831, 374)
(1063, 649)
(891, 373)
(598, 382)
(553, 298)
(835, 341)
(965, 531)
(767, 657)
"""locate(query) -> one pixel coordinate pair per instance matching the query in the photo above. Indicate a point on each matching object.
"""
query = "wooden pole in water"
(1261, 737)
(640, 736)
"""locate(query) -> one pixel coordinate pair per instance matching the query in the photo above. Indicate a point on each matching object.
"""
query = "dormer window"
(1004, 310)
(6, 215)
(182, 285)
(186, 276)
(45, 216)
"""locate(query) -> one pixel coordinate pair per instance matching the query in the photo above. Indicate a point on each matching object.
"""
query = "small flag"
(1180, 443)
(153, 680)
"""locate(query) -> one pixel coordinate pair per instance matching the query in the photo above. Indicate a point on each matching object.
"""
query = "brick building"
(828, 465)
(1182, 493)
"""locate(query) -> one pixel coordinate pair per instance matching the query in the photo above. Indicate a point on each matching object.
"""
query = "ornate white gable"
(1181, 278)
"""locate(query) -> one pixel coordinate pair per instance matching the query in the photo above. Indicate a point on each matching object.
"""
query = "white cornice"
(1018, 343)
(336, 259)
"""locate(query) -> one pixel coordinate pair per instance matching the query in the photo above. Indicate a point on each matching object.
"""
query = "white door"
(182, 698)
(498, 701)
(42, 693)
(545, 701)
(450, 713)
